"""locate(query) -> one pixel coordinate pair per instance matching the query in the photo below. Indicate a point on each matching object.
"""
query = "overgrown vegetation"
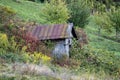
(115, 18)
(96, 51)
(102, 22)
(94, 60)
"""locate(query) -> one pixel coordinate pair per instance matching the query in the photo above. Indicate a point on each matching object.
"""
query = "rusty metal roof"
(43, 32)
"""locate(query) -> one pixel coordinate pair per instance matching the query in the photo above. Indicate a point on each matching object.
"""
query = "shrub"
(68, 1)
(79, 13)
(55, 11)
(26, 39)
(4, 41)
(12, 52)
(8, 44)
(36, 57)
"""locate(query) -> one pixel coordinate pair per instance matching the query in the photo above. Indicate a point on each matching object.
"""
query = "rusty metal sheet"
(43, 32)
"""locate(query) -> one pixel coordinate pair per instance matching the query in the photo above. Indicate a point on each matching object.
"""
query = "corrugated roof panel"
(43, 32)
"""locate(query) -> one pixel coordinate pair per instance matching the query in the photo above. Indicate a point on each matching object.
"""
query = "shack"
(62, 34)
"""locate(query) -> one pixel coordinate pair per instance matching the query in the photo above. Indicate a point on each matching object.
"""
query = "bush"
(32, 43)
(8, 44)
(55, 11)
(11, 50)
(4, 41)
(79, 13)
(36, 57)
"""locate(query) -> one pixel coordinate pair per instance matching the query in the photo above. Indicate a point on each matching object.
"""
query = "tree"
(79, 12)
(108, 3)
(55, 11)
(115, 18)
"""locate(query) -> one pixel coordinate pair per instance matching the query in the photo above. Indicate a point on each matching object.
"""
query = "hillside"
(101, 42)
(98, 60)
(27, 10)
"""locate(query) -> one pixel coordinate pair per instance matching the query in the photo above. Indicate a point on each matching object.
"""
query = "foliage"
(100, 7)
(39, 0)
(31, 43)
(115, 18)
(55, 12)
(6, 47)
(79, 13)
(102, 21)
(75, 48)
(10, 51)
(96, 60)
(108, 3)
(36, 0)
(27, 40)
(82, 37)
(102, 59)
(8, 44)
(4, 41)
(36, 57)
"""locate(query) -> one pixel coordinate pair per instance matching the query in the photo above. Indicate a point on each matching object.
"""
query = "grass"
(7, 73)
(27, 10)
(100, 42)
(26, 78)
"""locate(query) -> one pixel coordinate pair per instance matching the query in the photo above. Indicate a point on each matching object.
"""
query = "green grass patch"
(26, 10)
(100, 42)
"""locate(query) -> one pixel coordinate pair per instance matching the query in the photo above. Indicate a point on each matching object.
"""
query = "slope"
(26, 10)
